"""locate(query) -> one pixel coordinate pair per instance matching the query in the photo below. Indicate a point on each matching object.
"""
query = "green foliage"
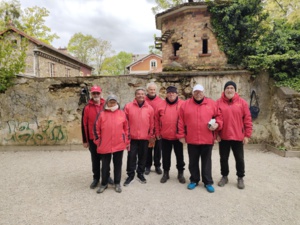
(12, 60)
(116, 65)
(81, 46)
(33, 24)
(10, 12)
(238, 27)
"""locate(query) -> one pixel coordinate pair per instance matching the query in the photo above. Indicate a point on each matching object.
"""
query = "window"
(204, 46)
(51, 69)
(153, 64)
(176, 47)
(68, 72)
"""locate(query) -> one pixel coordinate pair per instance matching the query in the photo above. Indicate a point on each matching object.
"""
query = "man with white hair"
(154, 148)
(199, 117)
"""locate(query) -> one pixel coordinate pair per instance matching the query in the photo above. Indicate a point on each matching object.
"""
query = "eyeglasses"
(96, 93)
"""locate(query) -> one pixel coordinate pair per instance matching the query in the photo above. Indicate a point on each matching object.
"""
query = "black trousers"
(96, 158)
(137, 156)
(167, 146)
(117, 161)
(195, 153)
(156, 157)
(238, 152)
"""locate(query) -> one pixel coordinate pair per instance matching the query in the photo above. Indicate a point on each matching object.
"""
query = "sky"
(128, 25)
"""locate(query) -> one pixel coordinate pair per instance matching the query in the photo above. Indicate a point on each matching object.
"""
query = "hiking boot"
(101, 189)
(128, 181)
(209, 188)
(240, 183)
(147, 171)
(180, 177)
(192, 185)
(94, 184)
(223, 181)
(165, 177)
(110, 181)
(118, 188)
(158, 170)
(141, 178)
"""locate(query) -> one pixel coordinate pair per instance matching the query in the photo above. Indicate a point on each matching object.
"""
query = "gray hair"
(151, 84)
(140, 89)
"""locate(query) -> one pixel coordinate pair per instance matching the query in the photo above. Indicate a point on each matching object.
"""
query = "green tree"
(116, 65)
(10, 12)
(238, 27)
(102, 50)
(12, 61)
(82, 47)
(33, 24)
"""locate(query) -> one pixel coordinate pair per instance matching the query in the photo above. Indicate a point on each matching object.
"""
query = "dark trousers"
(137, 156)
(117, 161)
(195, 153)
(238, 152)
(156, 157)
(166, 154)
(95, 160)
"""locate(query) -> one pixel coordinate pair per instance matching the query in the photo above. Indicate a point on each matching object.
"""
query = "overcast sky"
(128, 25)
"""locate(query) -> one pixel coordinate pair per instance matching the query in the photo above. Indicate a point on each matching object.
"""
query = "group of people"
(150, 127)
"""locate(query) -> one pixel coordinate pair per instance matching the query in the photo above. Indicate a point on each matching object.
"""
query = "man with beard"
(154, 148)
(236, 131)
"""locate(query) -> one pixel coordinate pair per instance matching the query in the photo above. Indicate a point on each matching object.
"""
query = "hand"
(85, 145)
(218, 138)
(152, 140)
(246, 140)
(128, 147)
(182, 140)
(213, 126)
(158, 137)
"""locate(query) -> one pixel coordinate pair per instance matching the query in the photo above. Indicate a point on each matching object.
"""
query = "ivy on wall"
(249, 40)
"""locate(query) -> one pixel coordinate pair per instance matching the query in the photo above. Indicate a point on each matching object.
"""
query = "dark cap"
(171, 89)
(230, 83)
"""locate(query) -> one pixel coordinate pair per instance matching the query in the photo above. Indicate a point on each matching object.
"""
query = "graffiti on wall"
(25, 133)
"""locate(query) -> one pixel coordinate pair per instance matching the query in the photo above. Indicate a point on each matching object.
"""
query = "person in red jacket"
(199, 117)
(236, 131)
(166, 117)
(154, 148)
(140, 116)
(89, 114)
(111, 138)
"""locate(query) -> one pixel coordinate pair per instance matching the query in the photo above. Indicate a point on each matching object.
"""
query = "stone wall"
(47, 111)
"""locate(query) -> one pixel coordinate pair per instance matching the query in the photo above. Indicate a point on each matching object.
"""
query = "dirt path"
(52, 187)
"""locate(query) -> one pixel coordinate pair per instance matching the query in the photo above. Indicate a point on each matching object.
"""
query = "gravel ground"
(52, 187)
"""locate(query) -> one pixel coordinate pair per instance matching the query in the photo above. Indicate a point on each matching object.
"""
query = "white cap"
(198, 87)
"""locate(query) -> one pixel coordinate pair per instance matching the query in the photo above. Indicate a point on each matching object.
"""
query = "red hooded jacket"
(89, 116)
(193, 121)
(141, 120)
(237, 118)
(166, 119)
(112, 132)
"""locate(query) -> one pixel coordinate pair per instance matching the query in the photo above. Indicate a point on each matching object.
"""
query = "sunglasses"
(96, 93)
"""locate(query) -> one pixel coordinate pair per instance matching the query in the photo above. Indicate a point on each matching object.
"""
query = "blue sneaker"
(191, 186)
(209, 188)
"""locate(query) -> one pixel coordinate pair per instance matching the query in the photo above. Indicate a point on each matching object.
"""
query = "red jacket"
(237, 118)
(154, 102)
(89, 116)
(141, 120)
(111, 132)
(166, 119)
(193, 121)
